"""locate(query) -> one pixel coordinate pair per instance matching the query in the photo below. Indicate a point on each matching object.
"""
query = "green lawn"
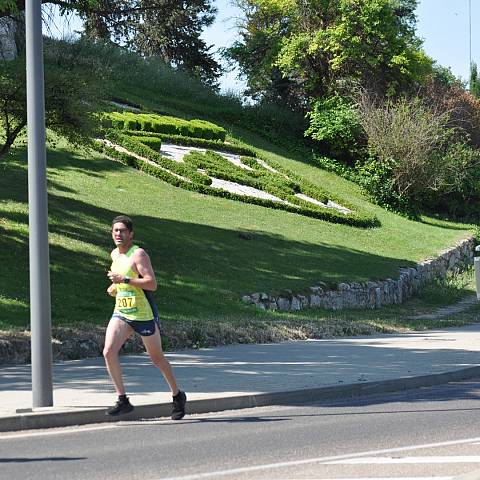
(203, 266)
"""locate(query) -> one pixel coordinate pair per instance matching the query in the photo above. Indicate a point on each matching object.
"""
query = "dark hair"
(127, 221)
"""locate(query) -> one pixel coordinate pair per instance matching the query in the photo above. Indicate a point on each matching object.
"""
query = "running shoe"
(178, 406)
(121, 407)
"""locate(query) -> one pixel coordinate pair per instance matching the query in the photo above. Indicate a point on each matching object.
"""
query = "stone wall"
(370, 294)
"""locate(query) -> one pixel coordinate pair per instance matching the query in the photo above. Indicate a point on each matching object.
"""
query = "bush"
(417, 160)
(154, 143)
(215, 165)
(334, 123)
(75, 81)
(405, 141)
(166, 125)
(231, 147)
(460, 105)
(458, 189)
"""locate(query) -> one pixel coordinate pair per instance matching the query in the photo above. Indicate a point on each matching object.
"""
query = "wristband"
(126, 280)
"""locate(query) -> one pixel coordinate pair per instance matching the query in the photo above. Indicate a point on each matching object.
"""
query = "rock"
(255, 297)
(303, 301)
(315, 300)
(247, 299)
(283, 304)
(295, 305)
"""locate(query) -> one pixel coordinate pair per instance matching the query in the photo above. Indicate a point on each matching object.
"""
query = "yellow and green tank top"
(130, 301)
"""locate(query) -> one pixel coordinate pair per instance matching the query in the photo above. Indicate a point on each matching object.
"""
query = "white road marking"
(411, 460)
(391, 478)
(57, 431)
(294, 463)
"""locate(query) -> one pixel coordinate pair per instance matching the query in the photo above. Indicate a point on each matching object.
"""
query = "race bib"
(126, 303)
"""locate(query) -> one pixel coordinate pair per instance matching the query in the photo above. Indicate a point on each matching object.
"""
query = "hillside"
(203, 259)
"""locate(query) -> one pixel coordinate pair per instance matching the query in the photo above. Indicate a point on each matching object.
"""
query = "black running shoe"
(121, 407)
(178, 406)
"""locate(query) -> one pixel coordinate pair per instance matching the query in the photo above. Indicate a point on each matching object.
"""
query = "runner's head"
(122, 231)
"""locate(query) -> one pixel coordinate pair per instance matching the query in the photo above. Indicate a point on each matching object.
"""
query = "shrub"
(217, 166)
(231, 147)
(154, 143)
(334, 123)
(461, 106)
(166, 125)
(458, 187)
(406, 139)
(417, 160)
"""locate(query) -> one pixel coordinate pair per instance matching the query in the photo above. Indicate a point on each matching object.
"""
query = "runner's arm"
(145, 270)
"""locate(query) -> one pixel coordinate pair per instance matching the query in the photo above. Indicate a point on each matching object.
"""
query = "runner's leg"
(153, 344)
(116, 335)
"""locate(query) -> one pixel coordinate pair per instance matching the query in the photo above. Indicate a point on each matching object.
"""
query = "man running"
(133, 282)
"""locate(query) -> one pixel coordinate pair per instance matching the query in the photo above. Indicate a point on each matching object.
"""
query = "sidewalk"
(242, 376)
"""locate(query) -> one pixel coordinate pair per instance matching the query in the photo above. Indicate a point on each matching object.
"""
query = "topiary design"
(214, 167)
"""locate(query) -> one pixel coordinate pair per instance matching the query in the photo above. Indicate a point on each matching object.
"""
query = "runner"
(133, 281)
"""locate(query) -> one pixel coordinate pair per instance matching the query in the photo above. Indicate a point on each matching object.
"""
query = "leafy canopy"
(70, 95)
(296, 49)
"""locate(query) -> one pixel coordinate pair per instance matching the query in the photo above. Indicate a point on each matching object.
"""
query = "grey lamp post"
(40, 308)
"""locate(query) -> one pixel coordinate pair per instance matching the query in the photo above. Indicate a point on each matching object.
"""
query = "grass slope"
(202, 264)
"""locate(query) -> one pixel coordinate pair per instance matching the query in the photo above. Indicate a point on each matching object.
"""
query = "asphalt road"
(430, 432)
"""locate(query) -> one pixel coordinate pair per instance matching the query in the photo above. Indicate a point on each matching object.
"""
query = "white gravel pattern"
(244, 190)
(177, 152)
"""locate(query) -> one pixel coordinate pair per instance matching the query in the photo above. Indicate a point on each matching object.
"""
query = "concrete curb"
(50, 418)
(475, 475)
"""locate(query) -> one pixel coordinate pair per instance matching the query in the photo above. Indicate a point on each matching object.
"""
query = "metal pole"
(470, 42)
(476, 264)
(40, 308)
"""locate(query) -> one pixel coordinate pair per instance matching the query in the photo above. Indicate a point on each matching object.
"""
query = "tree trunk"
(8, 44)
(12, 36)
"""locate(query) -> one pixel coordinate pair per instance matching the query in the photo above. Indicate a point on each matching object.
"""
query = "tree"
(172, 32)
(320, 47)
(70, 95)
(474, 81)
(168, 29)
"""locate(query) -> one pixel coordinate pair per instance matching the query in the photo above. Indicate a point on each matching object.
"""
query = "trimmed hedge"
(135, 146)
(197, 142)
(217, 166)
(151, 122)
(153, 142)
(328, 215)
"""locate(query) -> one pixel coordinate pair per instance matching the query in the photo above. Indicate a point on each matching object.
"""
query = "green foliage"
(334, 124)
(196, 169)
(233, 145)
(172, 31)
(70, 94)
(319, 47)
(165, 29)
(457, 191)
(416, 160)
(8, 6)
(474, 81)
(167, 125)
(378, 179)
